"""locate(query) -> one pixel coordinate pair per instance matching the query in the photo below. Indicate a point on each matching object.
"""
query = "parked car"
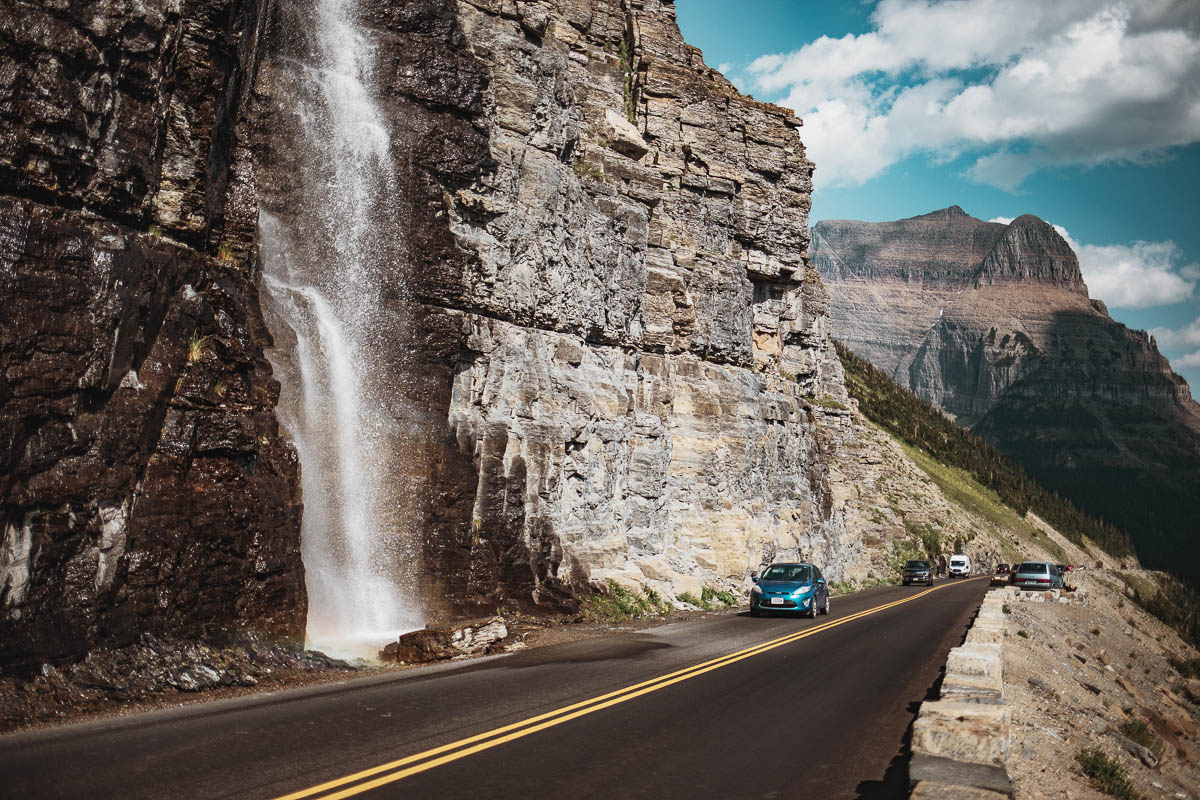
(917, 571)
(1037, 575)
(1001, 576)
(791, 588)
(960, 566)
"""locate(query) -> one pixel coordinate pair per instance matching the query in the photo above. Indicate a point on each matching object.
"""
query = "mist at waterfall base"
(328, 254)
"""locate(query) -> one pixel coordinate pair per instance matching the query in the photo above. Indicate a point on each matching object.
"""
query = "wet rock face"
(617, 359)
(143, 483)
(993, 324)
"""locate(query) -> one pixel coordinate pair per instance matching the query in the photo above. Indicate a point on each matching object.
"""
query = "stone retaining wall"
(960, 742)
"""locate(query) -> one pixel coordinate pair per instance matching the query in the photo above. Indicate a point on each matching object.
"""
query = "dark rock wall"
(143, 482)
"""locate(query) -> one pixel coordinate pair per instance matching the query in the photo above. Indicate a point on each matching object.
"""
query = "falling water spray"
(329, 248)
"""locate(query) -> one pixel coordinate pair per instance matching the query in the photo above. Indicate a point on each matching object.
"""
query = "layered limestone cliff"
(143, 484)
(619, 355)
(993, 324)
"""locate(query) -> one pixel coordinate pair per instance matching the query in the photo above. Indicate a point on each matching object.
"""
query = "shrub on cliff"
(1172, 601)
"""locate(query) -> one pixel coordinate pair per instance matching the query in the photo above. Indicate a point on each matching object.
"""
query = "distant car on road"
(1037, 575)
(792, 588)
(960, 566)
(1001, 576)
(917, 571)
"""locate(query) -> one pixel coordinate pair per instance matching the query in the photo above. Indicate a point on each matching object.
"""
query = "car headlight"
(756, 590)
(803, 590)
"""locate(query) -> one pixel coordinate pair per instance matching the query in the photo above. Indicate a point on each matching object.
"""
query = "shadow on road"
(895, 785)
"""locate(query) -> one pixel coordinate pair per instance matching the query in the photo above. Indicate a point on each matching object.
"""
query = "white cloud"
(1186, 337)
(1024, 84)
(1190, 361)
(1141, 275)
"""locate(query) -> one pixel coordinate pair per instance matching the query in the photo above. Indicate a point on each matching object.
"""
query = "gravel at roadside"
(1088, 676)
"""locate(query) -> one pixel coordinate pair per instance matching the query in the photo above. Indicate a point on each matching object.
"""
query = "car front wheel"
(825, 610)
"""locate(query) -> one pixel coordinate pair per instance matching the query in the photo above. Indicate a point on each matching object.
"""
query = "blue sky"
(1083, 112)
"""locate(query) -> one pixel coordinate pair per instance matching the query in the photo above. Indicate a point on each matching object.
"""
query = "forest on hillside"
(909, 418)
(912, 420)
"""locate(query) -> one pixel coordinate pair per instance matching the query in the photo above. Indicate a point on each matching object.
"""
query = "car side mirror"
(754, 577)
(820, 581)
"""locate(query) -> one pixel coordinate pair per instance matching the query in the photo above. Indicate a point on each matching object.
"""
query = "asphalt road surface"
(720, 707)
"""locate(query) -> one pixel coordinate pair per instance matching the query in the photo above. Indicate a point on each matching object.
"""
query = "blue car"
(791, 589)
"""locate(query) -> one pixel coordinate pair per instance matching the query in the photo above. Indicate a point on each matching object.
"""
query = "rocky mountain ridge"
(993, 324)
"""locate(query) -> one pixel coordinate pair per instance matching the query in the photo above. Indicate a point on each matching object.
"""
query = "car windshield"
(788, 572)
(916, 565)
(958, 560)
(1036, 567)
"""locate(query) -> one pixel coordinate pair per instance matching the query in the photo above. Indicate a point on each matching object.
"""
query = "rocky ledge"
(1048, 686)
(158, 671)
(439, 643)
(1101, 677)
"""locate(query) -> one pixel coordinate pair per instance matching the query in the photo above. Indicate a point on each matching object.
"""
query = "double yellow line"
(436, 757)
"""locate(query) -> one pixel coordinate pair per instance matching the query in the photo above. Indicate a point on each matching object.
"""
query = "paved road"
(725, 706)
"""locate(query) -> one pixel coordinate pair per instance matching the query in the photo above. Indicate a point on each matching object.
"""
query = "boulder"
(442, 643)
(622, 136)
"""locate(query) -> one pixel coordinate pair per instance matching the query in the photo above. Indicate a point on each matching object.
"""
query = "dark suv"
(917, 571)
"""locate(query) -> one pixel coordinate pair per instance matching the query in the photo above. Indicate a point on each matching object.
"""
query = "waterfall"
(329, 248)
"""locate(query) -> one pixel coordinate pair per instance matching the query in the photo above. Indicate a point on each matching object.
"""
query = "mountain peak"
(1030, 250)
(945, 214)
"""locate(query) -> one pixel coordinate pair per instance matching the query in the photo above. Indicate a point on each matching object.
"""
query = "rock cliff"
(992, 323)
(598, 324)
(620, 355)
(143, 484)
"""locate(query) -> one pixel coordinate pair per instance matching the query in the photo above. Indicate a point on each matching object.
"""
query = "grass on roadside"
(621, 603)
(1106, 773)
(963, 490)
(711, 599)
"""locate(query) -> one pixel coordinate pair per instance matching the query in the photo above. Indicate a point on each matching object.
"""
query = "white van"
(960, 566)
